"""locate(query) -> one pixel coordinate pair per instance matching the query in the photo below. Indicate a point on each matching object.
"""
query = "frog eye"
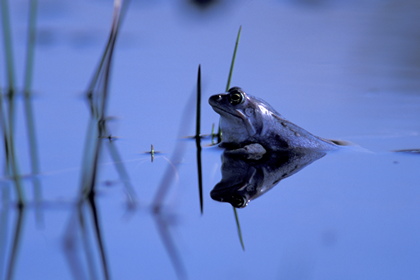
(236, 96)
(238, 201)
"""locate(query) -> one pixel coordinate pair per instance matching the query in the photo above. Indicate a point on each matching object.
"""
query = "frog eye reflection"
(238, 201)
(236, 97)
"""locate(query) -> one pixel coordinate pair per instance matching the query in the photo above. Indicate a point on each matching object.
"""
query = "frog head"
(241, 116)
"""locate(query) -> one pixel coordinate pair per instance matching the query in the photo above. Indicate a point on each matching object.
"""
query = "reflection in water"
(161, 217)
(11, 171)
(9, 256)
(85, 228)
(244, 180)
(97, 96)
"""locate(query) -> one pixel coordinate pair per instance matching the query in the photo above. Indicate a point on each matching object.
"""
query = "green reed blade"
(198, 107)
(122, 172)
(198, 141)
(8, 49)
(232, 64)
(17, 234)
(27, 103)
(98, 90)
(30, 47)
(4, 225)
(98, 236)
(238, 226)
(8, 120)
(87, 246)
(219, 133)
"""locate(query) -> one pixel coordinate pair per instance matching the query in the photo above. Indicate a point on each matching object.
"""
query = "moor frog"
(251, 126)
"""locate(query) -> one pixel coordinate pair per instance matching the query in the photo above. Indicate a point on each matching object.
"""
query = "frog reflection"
(244, 180)
(251, 126)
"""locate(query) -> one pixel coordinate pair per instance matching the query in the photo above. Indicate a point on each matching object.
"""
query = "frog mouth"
(248, 124)
(224, 112)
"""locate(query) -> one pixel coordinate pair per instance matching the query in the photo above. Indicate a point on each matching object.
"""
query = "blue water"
(340, 70)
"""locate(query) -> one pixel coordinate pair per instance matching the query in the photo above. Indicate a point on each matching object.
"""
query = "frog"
(250, 126)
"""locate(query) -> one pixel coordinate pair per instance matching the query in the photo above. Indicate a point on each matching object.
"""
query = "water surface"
(340, 70)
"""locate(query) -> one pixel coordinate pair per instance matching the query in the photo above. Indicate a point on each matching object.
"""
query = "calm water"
(342, 71)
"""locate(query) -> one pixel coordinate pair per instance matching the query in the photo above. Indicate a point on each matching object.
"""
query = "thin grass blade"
(28, 108)
(198, 140)
(232, 64)
(238, 226)
(98, 98)
(17, 234)
(8, 119)
(99, 238)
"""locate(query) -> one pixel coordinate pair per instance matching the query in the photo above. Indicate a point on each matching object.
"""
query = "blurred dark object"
(203, 4)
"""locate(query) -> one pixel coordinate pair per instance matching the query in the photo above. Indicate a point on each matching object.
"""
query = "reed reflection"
(244, 180)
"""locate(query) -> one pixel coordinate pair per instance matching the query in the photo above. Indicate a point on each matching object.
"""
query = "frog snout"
(215, 100)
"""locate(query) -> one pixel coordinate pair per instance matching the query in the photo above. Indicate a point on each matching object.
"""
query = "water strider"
(250, 126)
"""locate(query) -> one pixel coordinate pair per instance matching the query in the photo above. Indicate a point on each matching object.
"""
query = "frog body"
(247, 120)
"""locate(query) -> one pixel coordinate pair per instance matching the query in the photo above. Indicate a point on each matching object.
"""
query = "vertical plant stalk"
(4, 226)
(198, 140)
(29, 113)
(232, 64)
(16, 242)
(69, 246)
(86, 242)
(98, 97)
(30, 47)
(238, 227)
(9, 125)
(81, 267)
(8, 49)
(119, 166)
(99, 238)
